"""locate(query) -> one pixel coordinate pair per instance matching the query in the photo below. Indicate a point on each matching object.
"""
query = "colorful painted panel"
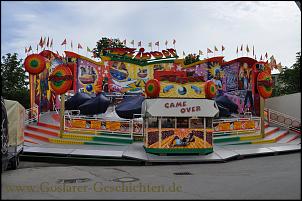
(240, 125)
(178, 138)
(230, 79)
(89, 76)
(128, 77)
(44, 96)
(187, 90)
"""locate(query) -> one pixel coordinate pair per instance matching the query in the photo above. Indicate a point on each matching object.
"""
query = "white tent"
(16, 117)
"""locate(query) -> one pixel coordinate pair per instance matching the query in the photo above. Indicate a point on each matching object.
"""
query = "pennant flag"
(237, 50)
(174, 41)
(124, 42)
(25, 50)
(279, 67)
(183, 53)
(266, 55)
(255, 57)
(261, 58)
(47, 44)
(150, 44)
(41, 42)
(253, 50)
(247, 48)
(222, 48)
(71, 45)
(80, 46)
(157, 43)
(139, 44)
(88, 50)
(200, 52)
(209, 51)
(215, 48)
(64, 42)
(241, 48)
(132, 42)
(166, 43)
(58, 53)
(37, 48)
(29, 49)
(51, 42)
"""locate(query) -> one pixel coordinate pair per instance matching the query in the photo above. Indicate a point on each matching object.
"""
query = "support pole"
(62, 111)
(262, 103)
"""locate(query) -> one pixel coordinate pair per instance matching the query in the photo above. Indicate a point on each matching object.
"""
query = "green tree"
(14, 80)
(191, 58)
(289, 79)
(104, 43)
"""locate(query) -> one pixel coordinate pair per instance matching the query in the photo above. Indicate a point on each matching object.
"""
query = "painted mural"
(44, 96)
(128, 71)
(179, 138)
(89, 75)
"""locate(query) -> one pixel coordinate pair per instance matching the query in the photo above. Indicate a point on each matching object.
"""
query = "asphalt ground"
(268, 177)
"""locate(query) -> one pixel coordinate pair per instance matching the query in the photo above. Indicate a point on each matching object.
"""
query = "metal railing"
(97, 125)
(31, 115)
(282, 119)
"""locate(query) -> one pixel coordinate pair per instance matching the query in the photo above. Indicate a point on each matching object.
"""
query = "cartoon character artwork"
(89, 76)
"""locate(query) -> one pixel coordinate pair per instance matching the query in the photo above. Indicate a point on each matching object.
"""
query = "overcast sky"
(272, 27)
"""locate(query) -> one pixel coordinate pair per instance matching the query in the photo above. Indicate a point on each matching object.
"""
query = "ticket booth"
(178, 126)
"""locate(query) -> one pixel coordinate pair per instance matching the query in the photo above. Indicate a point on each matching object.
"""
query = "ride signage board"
(179, 107)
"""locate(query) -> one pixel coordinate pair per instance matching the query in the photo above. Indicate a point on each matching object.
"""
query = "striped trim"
(36, 136)
(44, 131)
(48, 126)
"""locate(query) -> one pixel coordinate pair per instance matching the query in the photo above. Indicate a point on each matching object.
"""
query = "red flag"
(47, 44)
(79, 46)
(41, 42)
(209, 51)
(222, 48)
(247, 48)
(266, 55)
(157, 43)
(139, 44)
(174, 41)
(64, 42)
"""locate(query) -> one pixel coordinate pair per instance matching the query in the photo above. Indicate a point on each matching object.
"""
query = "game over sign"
(164, 107)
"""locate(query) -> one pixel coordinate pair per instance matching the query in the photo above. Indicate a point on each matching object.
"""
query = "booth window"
(209, 122)
(152, 122)
(168, 123)
(182, 122)
(196, 123)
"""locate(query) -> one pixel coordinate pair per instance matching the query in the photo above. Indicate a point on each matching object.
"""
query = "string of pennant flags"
(48, 43)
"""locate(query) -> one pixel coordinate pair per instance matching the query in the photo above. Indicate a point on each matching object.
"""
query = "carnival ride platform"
(43, 143)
